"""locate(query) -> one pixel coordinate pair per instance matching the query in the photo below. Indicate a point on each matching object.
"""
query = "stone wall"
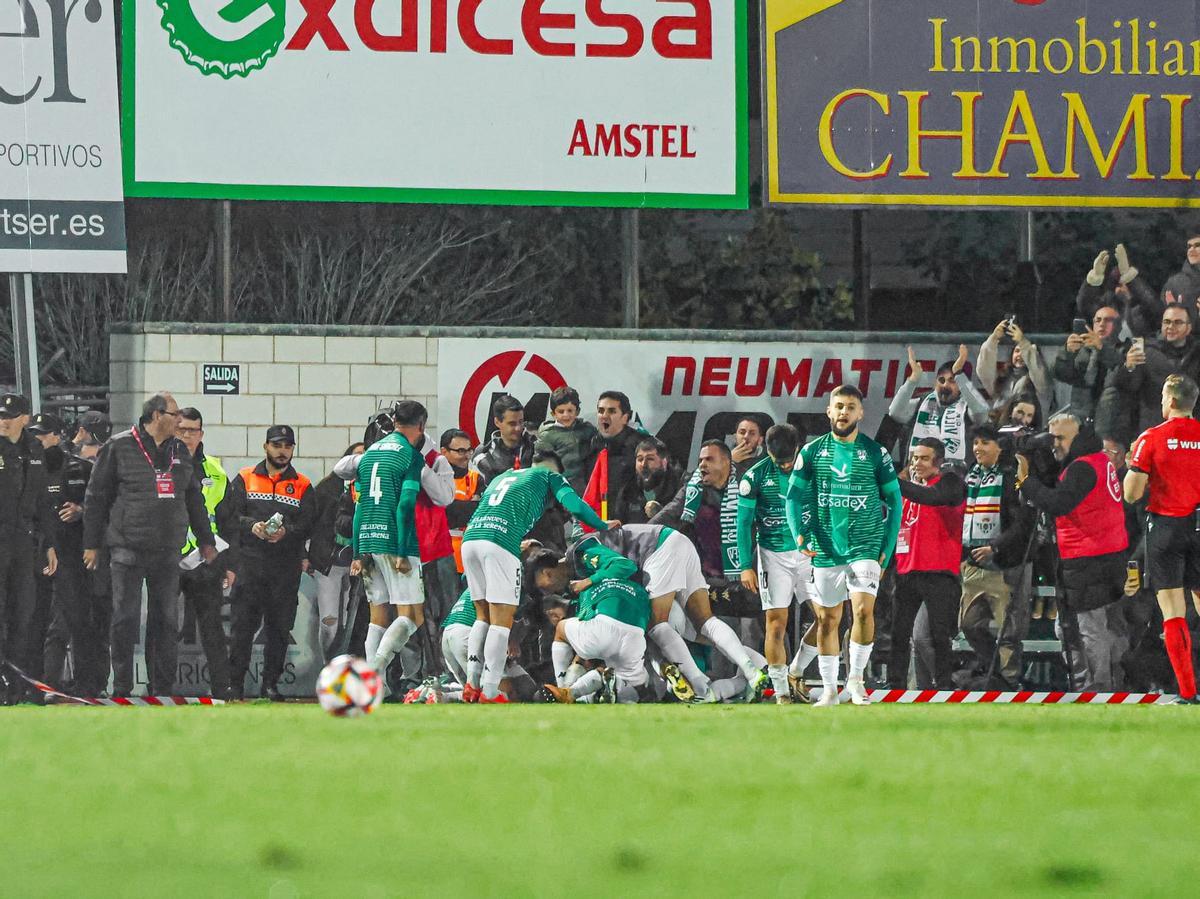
(325, 386)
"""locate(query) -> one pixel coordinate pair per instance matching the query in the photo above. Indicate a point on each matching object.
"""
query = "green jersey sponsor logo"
(224, 37)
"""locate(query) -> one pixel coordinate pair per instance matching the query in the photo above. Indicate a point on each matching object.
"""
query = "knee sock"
(860, 654)
(393, 641)
(626, 692)
(1179, 648)
(759, 660)
(828, 666)
(375, 633)
(728, 687)
(804, 657)
(495, 657)
(475, 641)
(574, 673)
(779, 679)
(562, 655)
(588, 684)
(723, 637)
(675, 650)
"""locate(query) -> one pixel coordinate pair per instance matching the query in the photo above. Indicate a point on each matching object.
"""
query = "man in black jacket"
(997, 532)
(1139, 381)
(24, 506)
(271, 557)
(511, 446)
(655, 482)
(1184, 285)
(1092, 544)
(143, 496)
(613, 413)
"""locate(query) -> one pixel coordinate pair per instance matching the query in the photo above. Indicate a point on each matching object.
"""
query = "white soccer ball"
(349, 687)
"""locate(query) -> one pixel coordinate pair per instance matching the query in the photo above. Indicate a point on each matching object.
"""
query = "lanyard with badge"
(164, 482)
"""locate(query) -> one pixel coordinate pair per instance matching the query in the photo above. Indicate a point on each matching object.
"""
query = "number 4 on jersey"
(376, 491)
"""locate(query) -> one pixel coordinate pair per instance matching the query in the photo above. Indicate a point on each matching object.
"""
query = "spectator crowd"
(1016, 514)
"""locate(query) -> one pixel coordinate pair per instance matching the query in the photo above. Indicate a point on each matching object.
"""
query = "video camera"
(1036, 446)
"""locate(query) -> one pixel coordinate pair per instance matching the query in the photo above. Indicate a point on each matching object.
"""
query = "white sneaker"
(826, 699)
(857, 691)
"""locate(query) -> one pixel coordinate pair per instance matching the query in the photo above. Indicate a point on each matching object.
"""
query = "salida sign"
(991, 102)
(610, 101)
(683, 393)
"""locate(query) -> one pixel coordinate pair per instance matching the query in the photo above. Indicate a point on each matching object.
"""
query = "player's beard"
(843, 432)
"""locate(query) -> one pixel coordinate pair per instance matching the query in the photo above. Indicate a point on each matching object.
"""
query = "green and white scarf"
(985, 489)
(730, 563)
(947, 423)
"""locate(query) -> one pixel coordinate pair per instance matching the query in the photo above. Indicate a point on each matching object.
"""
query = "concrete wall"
(326, 387)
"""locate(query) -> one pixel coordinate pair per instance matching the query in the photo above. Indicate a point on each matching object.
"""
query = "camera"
(1036, 446)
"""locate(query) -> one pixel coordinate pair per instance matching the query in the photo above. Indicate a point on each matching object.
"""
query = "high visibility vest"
(213, 486)
(464, 489)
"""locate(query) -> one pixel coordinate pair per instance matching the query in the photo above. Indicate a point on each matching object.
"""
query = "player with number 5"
(491, 553)
(385, 534)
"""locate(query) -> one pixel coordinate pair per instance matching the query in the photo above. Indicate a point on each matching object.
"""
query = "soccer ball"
(348, 687)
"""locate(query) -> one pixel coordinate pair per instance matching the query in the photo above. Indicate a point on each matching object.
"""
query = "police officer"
(70, 620)
(203, 586)
(271, 557)
(24, 506)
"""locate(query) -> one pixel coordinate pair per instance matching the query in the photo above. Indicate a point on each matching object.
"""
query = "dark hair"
(191, 413)
(720, 444)
(451, 435)
(783, 441)
(408, 413)
(545, 455)
(847, 390)
(1014, 401)
(537, 561)
(945, 366)
(986, 431)
(156, 404)
(653, 444)
(350, 449)
(552, 602)
(505, 404)
(564, 395)
(939, 448)
(622, 400)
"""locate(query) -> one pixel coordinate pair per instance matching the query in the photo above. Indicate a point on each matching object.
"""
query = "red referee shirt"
(1170, 454)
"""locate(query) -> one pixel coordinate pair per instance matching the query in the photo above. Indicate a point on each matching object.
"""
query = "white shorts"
(674, 568)
(783, 576)
(832, 586)
(620, 646)
(387, 586)
(454, 651)
(493, 573)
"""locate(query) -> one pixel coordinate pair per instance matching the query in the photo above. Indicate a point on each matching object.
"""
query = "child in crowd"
(573, 439)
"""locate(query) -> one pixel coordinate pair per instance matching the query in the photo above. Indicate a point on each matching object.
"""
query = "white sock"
(674, 649)
(759, 660)
(574, 673)
(588, 684)
(828, 666)
(375, 633)
(804, 657)
(779, 679)
(860, 654)
(626, 692)
(723, 637)
(562, 655)
(728, 687)
(393, 641)
(495, 657)
(475, 641)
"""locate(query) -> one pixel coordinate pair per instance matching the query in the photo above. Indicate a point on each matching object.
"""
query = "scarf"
(981, 522)
(947, 423)
(692, 501)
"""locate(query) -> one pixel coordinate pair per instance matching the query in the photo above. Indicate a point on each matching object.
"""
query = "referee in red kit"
(1167, 457)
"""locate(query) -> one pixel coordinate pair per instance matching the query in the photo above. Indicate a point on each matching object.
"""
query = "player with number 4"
(491, 553)
(386, 553)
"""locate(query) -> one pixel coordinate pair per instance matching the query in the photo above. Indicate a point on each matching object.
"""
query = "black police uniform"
(24, 507)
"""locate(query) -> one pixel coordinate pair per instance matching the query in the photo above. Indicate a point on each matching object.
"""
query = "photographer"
(997, 533)
(1092, 543)
(1087, 359)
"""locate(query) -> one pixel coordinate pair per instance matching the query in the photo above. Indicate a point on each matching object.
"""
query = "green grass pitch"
(470, 801)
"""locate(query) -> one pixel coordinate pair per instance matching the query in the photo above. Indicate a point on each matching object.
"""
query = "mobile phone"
(1139, 344)
(1012, 318)
(1079, 326)
(1135, 571)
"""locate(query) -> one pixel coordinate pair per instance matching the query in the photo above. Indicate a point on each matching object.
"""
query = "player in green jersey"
(840, 486)
(491, 553)
(456, 631)
(385, 532)
(783, 572)
(609, 625)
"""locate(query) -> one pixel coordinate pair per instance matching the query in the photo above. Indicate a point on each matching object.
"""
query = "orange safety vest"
(464, 489)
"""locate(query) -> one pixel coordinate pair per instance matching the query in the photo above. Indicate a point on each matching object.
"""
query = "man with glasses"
(1087, 360)
(143, 496)
(1149, 364)
(468, 487)
(1184, 285)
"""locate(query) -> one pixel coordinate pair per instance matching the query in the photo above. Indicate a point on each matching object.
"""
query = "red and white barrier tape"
(50, 692)
(1025, 697)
